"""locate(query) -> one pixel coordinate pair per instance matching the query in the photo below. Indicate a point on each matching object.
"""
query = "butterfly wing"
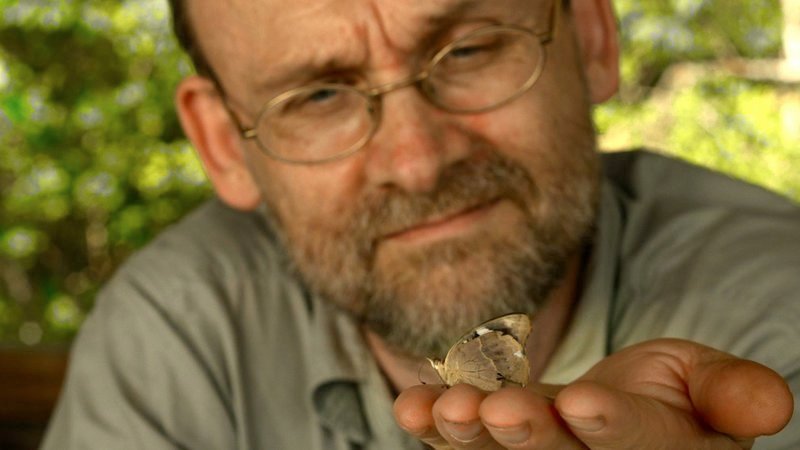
(466, 363)
(490, 355)
(517, 325)
(507, 356)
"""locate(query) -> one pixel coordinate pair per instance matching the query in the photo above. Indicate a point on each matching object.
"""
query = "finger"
(522, 419)
(458, 421)
(413, 413)
(738, 397)
(605, 418)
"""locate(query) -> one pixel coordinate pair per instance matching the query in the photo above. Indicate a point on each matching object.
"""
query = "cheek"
(312, 196)
(495, 128)
(549, 134)
(515, 130)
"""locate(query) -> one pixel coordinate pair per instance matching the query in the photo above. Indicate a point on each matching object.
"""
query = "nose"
(414, 143)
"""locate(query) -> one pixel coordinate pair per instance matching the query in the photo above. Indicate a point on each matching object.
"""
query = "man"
(397, 172)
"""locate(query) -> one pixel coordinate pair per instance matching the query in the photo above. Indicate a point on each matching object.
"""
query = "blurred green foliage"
(93, 163)
(747, 128)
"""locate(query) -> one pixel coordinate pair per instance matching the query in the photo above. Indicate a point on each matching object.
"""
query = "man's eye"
(321, 95)
(311, 101)
(468, 51)
(473, 55)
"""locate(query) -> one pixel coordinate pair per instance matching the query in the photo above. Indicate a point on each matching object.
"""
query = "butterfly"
(490, 356)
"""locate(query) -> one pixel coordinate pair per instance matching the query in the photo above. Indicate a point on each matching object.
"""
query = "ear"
(207, 123)
(596, 28)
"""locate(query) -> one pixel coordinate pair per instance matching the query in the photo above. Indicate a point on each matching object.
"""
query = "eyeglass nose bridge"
(377, 92)
(375, 96)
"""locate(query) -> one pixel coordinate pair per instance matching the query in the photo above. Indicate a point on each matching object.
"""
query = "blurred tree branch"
(785, 70)
(791, 32)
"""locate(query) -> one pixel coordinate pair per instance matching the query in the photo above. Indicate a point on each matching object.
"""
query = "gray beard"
(421, 301)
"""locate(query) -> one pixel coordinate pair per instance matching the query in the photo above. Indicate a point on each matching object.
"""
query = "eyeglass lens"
(473, 74)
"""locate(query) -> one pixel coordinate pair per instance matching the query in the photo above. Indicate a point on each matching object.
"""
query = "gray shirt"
(204, 340)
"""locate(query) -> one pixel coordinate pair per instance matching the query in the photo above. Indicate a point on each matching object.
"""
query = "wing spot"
(482, 330)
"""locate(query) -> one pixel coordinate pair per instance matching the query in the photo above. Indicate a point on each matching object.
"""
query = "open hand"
(665, 393)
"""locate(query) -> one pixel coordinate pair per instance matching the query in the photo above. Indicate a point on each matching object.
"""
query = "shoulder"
(202, 285)
(703, 256)
(200, 279)
(673, 209)
(210, 239)
(213, 254)
(180, 330)
(646, 178)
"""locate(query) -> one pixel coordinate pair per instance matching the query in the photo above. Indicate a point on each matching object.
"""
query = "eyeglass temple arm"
(555, 11)
(245, 133)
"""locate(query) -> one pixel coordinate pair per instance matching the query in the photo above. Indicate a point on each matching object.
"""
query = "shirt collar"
(343, 383)
(586, 339)
(339, 363)
(348, 391)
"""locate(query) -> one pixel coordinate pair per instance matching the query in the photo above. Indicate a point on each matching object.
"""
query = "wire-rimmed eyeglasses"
(480, 71)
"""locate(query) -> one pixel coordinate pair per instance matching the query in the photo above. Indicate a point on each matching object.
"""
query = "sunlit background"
(93, 162)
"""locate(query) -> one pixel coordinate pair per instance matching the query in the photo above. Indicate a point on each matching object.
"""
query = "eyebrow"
(453, 11)
(299, 73)
(308, 70)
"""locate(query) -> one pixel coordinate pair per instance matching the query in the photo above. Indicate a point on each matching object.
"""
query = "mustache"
(464, 185)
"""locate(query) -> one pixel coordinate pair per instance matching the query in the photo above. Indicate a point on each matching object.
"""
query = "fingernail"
(590, 424)
(512, 435)
(417, 431)
(464, 432)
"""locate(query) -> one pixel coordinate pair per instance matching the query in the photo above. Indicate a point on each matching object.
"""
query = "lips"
(440, 219)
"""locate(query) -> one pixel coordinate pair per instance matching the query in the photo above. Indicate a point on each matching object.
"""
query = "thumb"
(738, 397)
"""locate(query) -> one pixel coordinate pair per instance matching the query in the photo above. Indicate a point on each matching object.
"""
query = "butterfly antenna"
(419, 375)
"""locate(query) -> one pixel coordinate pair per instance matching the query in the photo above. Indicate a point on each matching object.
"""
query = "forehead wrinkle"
(319, 35)
(302, 62)
(423, 23)
(452, 9)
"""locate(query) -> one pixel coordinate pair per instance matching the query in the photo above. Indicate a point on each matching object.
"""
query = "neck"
(548, 326)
